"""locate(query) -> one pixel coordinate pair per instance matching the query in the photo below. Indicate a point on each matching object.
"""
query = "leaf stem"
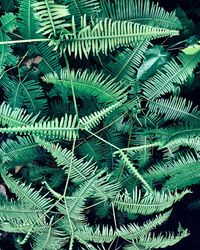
(25, 41)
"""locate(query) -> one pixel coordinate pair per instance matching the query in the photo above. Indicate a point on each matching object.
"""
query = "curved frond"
(151, 241)
(8, 22)
(187, 177)
(76, 201)
(17, 152)
(175, 108)
(79, 8)
(175, 71)
(7, 58)
(134, 231)
(18, 211)
(87, 84)
(107, 35)
(150, 203)
(50, 239)
(25, 193)
(163, 170)
(51, 17)
(23, 226)
(27, 94)
(140, 11)
(81, 170)
(15, 117)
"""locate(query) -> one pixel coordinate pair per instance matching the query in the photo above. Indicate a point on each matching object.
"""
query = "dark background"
(182, 212)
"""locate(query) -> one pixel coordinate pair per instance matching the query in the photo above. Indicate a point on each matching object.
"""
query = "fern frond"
(134, 231)
(79, 8)
(51, 239)
(98, 235)
(107, 35)
(175, 71)
(76, 202)
(151, 241)
(27, 94)
(8, 22)
(87, 83)
(23, 226)
(18, 211)
(65, 128)
(17, 152)
(51, 17)
(94, 149)
(27, 23)
(124, 65)
(150, 203)
(109, 187)
(140, 11)
(133, 170)
(175, 108)
(50, 59)
(187, 177)
(81, 170)
(181, 135)
(88, 122)
(25, 193)
(163, 170)
(15, 117)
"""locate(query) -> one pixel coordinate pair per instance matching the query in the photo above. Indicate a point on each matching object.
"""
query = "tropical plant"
(92, 154)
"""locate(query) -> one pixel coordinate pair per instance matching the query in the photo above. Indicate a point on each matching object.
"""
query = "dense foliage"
(98, 141)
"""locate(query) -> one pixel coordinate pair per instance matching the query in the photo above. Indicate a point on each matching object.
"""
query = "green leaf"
(155, 58)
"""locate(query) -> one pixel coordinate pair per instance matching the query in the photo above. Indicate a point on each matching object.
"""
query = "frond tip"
(51, 17)
(151, 241)
(107, 35)
(150, 203)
